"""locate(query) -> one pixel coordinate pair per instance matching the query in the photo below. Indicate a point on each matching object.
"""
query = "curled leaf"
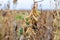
(27, 19)
(27, 23)
(21, 30)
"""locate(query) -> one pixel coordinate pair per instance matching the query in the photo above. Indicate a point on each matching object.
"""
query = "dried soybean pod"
(14, 1)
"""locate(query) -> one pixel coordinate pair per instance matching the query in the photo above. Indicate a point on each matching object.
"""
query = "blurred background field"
(8, 23)
(30, 20)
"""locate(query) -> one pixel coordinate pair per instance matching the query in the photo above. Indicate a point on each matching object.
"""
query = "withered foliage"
(14, 1)
(46, 27)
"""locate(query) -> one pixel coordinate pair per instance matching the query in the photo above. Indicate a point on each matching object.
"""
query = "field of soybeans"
(13, 25)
